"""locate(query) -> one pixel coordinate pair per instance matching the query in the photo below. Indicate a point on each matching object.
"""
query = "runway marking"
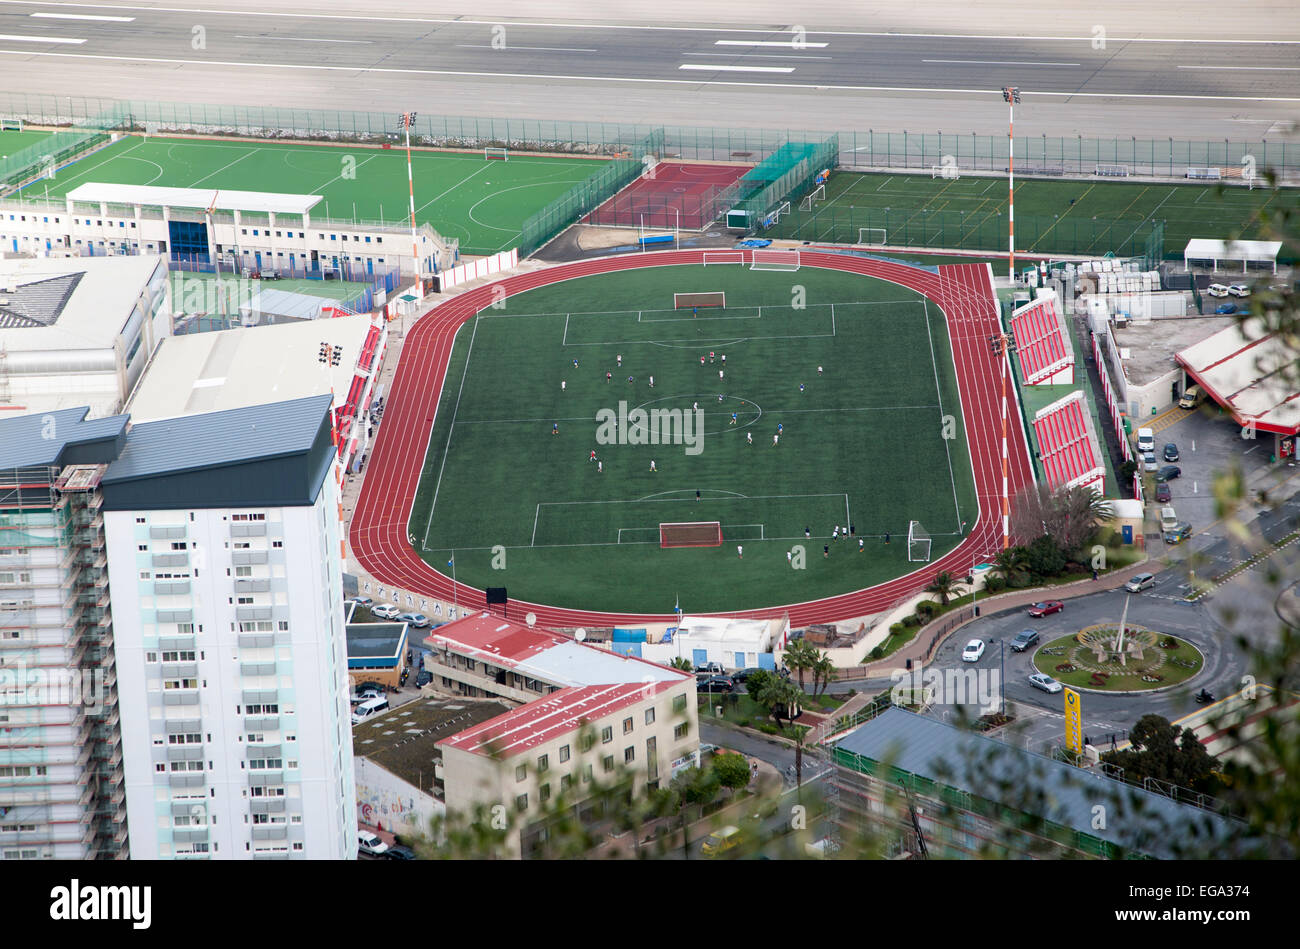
(540, 49)
(788, 44)
(995, 62)
(82, 16)
(722, 68)
(299, 39)
(1273, 68)
(238, 64)
(38, 39)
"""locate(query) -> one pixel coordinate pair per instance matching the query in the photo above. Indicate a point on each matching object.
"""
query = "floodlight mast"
(1012, 95)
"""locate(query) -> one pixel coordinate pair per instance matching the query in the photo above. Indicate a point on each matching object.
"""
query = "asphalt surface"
(741, 74)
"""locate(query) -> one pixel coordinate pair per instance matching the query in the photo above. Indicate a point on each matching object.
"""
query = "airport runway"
(1086, 81)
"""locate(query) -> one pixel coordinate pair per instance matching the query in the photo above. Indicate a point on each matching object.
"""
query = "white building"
(734, 643)
(78, 332)
(223, 550)
(238, 368)
(244, 229)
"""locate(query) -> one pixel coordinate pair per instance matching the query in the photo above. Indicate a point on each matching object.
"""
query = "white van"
(1146, 441)
(366, 709)
(1190, 398)
(1168, 519)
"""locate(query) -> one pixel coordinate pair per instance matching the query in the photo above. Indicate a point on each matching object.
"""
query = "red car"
(1046, 608)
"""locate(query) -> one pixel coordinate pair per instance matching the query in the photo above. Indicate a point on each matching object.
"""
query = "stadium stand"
(1046, 357)
(1068, 444)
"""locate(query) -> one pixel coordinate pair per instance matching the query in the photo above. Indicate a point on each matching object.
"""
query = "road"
(1090, 81)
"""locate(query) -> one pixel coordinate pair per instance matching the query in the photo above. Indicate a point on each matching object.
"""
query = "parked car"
(715, 684)
(1168, 473)
(1046, 608)
(712, 668)
(1217, 290)
(1041, 680)
(365, 696)
(974, 649)
(707, 749)
(371, 685)
(385, 611)
(1239, 290)
(1149, 462)
(1171, 452)
(399, 853)
(423, 679)
(1179, 533)
(1190, 398)
(720, 841)
(1163, 493)
(1140, 582)
(370, 843)
(1024, 639)
(365, 601)
(413, 619)
(743, 675)
(1226, 308)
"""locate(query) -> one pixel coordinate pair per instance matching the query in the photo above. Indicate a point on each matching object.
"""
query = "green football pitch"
(483, 203)
(873, 440)
(12, 142)
(974, 211)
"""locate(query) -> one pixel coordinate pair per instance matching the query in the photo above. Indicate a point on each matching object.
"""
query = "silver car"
(1142, 581)
(1041, 680)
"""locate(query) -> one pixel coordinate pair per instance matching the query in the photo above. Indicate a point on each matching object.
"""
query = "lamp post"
(1011, 94)
(405, 123)
(330, 357)
(1002, 345)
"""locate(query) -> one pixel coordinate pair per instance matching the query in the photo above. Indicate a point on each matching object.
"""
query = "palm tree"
(681, 662)
(800, 656)
(945, 584)
(1010, 563)
(781, 698)
(824, 667)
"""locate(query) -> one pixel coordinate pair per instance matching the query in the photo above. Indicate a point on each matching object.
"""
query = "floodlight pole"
(408, 118)
(330, 357)
(1001, 345)
(1012, 95)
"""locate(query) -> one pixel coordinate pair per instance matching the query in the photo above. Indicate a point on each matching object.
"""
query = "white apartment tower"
(224, 555)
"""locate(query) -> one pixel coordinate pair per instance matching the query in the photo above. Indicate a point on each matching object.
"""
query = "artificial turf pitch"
(1188, 210)
(483, 203)
(862, 445)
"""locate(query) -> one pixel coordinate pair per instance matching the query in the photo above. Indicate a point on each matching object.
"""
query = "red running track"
(679, 195)
(964, 293)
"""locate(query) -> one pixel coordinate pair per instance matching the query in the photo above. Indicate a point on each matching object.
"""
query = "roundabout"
(1102, 658)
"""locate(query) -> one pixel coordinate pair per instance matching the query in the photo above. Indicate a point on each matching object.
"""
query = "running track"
(963, 292)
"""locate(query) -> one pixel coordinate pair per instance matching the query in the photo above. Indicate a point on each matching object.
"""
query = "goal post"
(774, 260)
(872, 235)
(690, 534)
(716, 298)
(918, 543)
(11, 125)
(724, 257)
(945, 171)
(811, 198)
(496, 154)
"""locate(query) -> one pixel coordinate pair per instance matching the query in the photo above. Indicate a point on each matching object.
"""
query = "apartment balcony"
(189, 834)
(270, 832)
(267, 805)
(181, 697)
(186, 779)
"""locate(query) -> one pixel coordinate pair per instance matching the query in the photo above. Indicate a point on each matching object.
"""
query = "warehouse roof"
(1246, 369)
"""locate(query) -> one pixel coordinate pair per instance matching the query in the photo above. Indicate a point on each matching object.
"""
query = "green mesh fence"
(796, 176)
(977, 232)
(589, 194)
(43, 157)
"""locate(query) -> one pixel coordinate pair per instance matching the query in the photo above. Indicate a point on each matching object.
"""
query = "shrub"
(767, 728)
(926, 608)
(994, 584)
(911, 620)
(898, 629)
(876, 653)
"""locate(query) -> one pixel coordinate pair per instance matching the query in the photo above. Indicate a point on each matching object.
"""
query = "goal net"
(871, 235)
(691, 534)
(1112, 171)
(918, 542)
(683, 301)
(945, 171)
(774, 260)
(817, 194)
(724, 257)
(11, 125)
(499, 154)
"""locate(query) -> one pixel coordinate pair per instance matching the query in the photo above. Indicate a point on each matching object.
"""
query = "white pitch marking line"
(39, 39)
(995, 62)
(82, 16)
(721, 68)
(787, 44)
